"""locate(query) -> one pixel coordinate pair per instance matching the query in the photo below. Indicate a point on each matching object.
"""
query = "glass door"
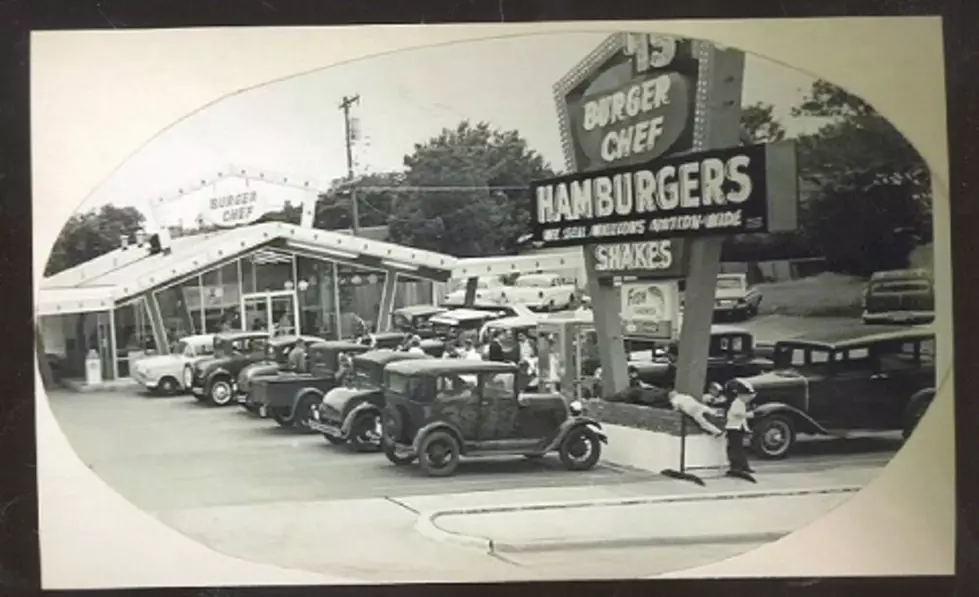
(273, 312)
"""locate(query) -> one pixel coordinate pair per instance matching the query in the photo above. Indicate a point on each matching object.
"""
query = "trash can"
(93, 368)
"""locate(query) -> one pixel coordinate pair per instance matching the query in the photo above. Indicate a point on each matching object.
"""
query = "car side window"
(453, 387)
(498, 385)
(820, 357)
(798, 358)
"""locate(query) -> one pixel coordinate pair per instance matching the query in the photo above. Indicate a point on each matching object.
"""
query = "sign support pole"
(608, 326)
(720, 128)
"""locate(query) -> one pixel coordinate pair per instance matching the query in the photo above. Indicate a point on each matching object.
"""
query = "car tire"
(303, 412)
(335, 441)
(914, 417)
(168, 386)
(439, 454)
(220, 393)
(569, 452)
(282, 418)
(363, 432)
(773, 437)
(393, 456)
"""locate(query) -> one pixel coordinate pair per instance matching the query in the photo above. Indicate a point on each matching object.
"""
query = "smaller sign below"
(235, 209)
(711, 193)
(650, 309)
(659, 258)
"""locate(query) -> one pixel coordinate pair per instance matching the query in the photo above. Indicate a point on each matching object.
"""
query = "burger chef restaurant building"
(271, 276)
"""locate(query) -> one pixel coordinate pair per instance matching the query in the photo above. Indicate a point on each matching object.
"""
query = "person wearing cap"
(739, 393)
(469, 352)
(415, 345)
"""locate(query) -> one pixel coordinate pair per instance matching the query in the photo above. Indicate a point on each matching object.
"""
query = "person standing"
(524, 347)
(740, 393)
(415, 346)
(297, 357)
(496, 353)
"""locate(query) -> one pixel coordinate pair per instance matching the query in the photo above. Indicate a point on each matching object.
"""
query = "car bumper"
(899, 317)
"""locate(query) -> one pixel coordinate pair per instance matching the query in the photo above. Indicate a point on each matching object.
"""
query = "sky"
(294, 127)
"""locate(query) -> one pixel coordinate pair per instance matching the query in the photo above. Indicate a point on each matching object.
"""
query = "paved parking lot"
(166, 453)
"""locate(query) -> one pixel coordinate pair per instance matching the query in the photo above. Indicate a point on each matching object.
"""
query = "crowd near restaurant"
(142, 298)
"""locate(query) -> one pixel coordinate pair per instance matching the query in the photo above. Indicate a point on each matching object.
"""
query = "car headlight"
(576, 407)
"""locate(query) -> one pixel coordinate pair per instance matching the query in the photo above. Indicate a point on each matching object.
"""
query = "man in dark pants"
(740, 394)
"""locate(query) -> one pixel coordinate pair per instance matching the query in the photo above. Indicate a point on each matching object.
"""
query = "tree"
(873, 197)
(334, 210)
(486, 220)
(759, 124)
(88, 235)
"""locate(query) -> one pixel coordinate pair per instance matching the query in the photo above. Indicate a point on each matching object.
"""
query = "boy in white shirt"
(740, 392)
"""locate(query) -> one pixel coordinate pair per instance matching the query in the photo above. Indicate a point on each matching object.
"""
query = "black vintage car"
(351, 414)
(438, 411)
(213, 380)
(276, 360)
(414, 319)
(290, 398)
(731, 354)
(394, 340)
(835, 384)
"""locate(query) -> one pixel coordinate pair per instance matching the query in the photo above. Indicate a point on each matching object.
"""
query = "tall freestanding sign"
(651, 132)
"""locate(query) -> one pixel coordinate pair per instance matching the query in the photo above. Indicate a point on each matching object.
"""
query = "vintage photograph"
(550, 306)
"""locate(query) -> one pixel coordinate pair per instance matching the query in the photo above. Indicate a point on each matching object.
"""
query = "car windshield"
(367, 375)
(182, 348)
(222, 348)
(533, 282)
(401, 322)
(729, 283)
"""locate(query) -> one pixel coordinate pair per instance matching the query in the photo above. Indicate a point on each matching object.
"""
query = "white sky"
(295, 126)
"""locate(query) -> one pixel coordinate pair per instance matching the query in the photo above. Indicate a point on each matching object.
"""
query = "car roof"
(718, 329)
(900, 274)
(341, 345)
(463, 315)
(386, 355)
(240, 335)
(432, 366)
(861, 335)
(420, 309)
(198, 339)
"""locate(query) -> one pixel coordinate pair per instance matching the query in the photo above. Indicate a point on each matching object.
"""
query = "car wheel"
(580, 449)
(394, 457)
(439, 454)
(773, 437)
(281, 417)
(365, 432)
(914, 417)
(336, 441)
(168, 386)
(304, 412)
(220, 392)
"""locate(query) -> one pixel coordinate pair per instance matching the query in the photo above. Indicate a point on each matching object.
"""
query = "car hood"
(772, 380)
(337, 398)
(263, 368)
(163, 360)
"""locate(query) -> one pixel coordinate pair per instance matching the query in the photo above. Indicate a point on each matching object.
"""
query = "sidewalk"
(660, 512)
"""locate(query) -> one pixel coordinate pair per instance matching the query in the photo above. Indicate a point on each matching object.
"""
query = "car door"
(498, 408)
(457, 402)
(814, 366)
(856, 384)
(901, 369)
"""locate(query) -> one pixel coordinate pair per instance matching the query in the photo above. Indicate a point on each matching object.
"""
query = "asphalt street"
(246, 487)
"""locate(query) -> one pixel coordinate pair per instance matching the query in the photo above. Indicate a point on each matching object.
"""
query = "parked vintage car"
(836, 384)
(542, 292)
(351, 413)
(736, 297)
(394, 340)
(453, 324)
(731, 354)
(438, 411)
(415, 319)
(899, 297)
(213, 380)
(290, 398)
(163, 374)
(488, 289)
(276, 359)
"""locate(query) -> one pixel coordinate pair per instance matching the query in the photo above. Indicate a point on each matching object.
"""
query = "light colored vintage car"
(489, 289)
(542, 292)
(164, 373)
(735, 296)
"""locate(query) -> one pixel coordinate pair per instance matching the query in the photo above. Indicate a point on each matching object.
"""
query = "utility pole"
(345, 106)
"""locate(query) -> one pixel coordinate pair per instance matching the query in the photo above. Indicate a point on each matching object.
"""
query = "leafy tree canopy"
(87, 235)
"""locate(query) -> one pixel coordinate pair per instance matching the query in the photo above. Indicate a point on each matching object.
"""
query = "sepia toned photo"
(565, 305)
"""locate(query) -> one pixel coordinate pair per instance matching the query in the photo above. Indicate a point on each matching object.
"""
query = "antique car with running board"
(276, 360)
(415, 319)
(438, 411)
(838, 384)
(351, 414)
(290, 398)
(213, 380)
(394, 340)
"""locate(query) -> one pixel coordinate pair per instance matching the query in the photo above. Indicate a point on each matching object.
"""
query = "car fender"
(924, 395)
(209, 378)
(363, 407)
(303, 393)
(422, 433)
(573, 423)
(772, 408)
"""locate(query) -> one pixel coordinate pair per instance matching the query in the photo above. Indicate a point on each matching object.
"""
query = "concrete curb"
(427, 526)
